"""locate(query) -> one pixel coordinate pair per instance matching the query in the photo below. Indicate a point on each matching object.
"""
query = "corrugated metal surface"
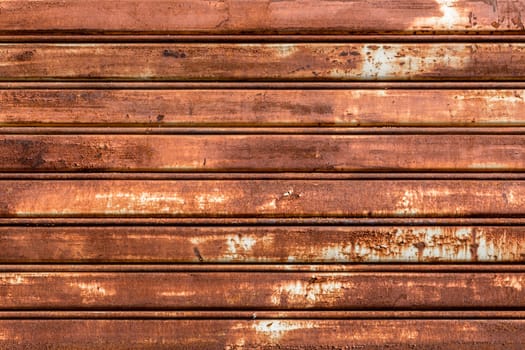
(238, 174)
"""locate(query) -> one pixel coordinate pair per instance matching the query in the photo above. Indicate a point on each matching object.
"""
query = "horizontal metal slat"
(264, 62)
(239, 334)
(260, 153)
(261, 17)
(260, 244)
(266, 290)
(262, 107)
(262, 198)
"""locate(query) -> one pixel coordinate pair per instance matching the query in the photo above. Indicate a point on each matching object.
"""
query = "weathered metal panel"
(306, 153)
(260, 198)
(266, 153)
(232, 174)
(263, 107)
(264, 62)
(262, 16)
(263, 334)
(261, 290)
(262, 244)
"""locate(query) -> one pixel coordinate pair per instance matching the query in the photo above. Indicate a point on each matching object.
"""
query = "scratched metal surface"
(232, 174)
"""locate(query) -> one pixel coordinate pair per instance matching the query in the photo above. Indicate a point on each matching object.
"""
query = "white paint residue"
(285, 50)
(276, 329)
(91, 291)
(16, 279)
(271, 205)
(399, 62)
(129, 203)
(509, 98)
(509, 282)
(177, 294)
(143, 198)
(408, 203)
(288, 193)
(199, 240)
(204, 200)
(335, 253)
(312, 292)
(449, 19)
(238, 244)
(380, 62)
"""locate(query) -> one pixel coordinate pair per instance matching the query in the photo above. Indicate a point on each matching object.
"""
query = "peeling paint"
(515, 282)
(239, 245)
(407, 204)
(14, 280)
(395, 62)
(285, 50)
(144, 198)
(204, 200)
(91, 291)
(181, 294)
(450, 17)
(307, 292)
(275, 330)
(132, 203)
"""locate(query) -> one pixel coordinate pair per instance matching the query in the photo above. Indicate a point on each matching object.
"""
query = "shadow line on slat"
(229, 222)
(250, 175)
(246, 85)
(262, 314)
(275, 268)
(253, 130)
(250, 38)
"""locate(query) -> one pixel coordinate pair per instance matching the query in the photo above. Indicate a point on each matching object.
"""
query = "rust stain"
(188, 283)
(331, 198)
(264, 244)
(311, 291)
(282, 291)
(235, 107)
(267, 62)
(275, 153)
(262, 17)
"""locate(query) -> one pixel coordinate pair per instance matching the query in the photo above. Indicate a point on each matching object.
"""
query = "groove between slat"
(160, 176)
(262, 268)
(261, 315)
(253, 130)
(247, 85)
(45, 37)
(52, 221)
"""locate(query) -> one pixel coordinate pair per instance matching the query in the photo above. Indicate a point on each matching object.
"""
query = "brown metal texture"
(263, 334)
(264, 61)
(262, 244)
(262, 290)
(265, 174)
(263, 107)
(262, 16)
(262, 198)
(262, 153)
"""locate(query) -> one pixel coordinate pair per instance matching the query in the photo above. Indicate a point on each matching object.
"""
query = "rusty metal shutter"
(234, 174)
